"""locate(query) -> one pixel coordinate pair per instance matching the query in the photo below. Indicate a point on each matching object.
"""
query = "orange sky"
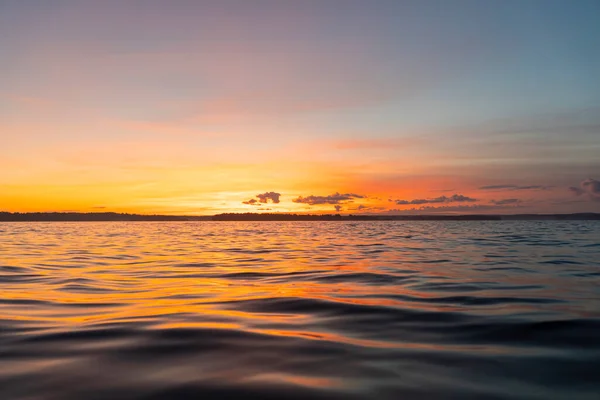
(196, 108)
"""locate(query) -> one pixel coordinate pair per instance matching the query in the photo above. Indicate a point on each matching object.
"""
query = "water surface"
(300, 310)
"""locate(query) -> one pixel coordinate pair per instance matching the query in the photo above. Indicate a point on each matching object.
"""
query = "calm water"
(423, 310)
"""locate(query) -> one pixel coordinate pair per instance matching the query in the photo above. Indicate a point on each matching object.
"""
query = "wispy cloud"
(460, 208)
(455, 198)
(515, 187)
(589, 187)
(504, 202)
(576, 191)
(335, 198)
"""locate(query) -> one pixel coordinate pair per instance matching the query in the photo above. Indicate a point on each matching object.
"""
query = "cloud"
(460, 208)
(576, 191)
(475, 207)
(458, 198)
(264, 198)
(455, 198)
(338, 208)
(335, 198)
(589, 187)
(514, 187)
(504, 202)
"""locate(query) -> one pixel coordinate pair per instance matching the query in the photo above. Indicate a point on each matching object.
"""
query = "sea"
(300, 310)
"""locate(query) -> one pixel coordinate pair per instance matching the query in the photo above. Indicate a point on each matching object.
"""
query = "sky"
(387, 107)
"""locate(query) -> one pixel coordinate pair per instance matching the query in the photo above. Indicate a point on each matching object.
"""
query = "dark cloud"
(497, 187)
(504, 202)
(568, 202)
(514, 187)
(590, 188)
(264, 198)
(460, 208)
(576, 191)
(338, 208)
(335, 198)
(455, 198)
(415, 201)
(458, 198)
(99, 207)
(474, 207)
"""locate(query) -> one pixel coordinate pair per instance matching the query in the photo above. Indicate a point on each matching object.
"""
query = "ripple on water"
(348, 310)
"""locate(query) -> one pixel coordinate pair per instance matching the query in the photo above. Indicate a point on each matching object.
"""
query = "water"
(300, 310)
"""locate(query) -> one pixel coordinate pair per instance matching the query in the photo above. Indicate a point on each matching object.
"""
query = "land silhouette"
(112, 216)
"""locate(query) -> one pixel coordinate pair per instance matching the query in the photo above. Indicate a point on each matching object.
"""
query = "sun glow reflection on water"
(505, 309)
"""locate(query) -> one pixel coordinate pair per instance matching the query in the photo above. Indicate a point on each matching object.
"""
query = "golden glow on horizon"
(182, 196)
(199, 108)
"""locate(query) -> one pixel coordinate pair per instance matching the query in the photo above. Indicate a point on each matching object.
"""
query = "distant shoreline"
(109, 216)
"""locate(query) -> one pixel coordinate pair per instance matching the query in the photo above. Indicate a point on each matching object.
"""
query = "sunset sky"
(203, 107)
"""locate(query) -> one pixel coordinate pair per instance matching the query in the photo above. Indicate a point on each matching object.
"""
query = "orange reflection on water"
(300, 380)
(342, 308)
(248, 276)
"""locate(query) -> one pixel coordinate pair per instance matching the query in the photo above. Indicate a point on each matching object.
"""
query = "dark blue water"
(332, 310)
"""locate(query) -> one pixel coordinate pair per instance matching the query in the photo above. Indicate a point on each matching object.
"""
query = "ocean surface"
(300, 310)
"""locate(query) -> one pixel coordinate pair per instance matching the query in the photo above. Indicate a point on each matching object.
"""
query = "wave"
(334, 310)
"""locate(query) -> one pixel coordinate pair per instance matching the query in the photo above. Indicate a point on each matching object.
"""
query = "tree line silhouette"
(112, 216)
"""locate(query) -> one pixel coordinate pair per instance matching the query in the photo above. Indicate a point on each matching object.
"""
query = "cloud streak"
(589, 188)
(455, 198)
(336, 198)
(505, 202)
(514, 187)
(459, 208)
